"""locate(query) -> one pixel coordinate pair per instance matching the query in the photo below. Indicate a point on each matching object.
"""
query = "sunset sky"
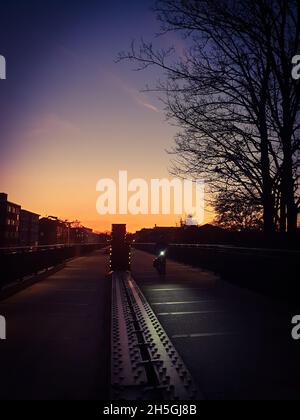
(70, 115)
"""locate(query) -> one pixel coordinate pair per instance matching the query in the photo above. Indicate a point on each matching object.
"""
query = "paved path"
(237, 344)
(58, 335)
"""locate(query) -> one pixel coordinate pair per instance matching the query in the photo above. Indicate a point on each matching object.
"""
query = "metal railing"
(20, 262)
(271, 271)
(150, 247)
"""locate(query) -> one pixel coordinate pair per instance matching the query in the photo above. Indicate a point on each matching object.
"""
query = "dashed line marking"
(176, 289)
(188, 313)
(183, 302)
(197, 335)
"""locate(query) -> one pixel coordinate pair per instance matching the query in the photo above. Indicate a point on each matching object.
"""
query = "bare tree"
(233, 97)
(280, 22)
(238, 214)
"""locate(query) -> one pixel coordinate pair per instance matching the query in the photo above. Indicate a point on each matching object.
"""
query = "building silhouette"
(52, 231)
(21, 227)
(29, 228)
(83, 235)
(18, 227)
(9, 222)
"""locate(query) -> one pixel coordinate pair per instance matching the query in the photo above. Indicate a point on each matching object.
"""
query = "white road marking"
(182, 302)
(176, 289)
(195, 335)
(188, 313)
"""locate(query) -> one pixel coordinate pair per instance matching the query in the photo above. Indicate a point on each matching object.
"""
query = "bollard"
(119, 249)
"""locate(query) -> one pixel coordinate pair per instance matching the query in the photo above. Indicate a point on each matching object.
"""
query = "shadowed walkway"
(58, 335)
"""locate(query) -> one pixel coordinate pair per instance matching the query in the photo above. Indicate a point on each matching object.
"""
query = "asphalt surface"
(236, 344)
(58, 335)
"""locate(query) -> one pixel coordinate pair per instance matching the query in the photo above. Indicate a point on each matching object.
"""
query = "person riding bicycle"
(161, 253)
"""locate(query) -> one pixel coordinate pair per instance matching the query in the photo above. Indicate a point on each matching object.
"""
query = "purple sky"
(71, 115)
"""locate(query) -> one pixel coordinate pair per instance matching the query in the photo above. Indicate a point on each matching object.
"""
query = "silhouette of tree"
(232, 94)
(238, 214)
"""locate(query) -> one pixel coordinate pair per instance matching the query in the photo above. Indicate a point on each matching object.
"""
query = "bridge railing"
(18, 263)
(270, 271)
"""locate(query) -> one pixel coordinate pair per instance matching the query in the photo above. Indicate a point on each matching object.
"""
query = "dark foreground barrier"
(119, 249)
(269, 271)
(15, 264)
